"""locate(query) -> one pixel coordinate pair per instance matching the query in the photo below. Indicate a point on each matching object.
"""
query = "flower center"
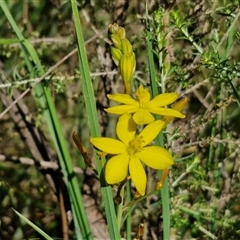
(142, 104)
(143, 97)
(135, 145)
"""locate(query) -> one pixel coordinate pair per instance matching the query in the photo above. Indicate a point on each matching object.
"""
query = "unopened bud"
(161, 182)
(121, 32)
(117, 41)
(178, 106)
(115, 29)
(116, 55)
(127, 66)
(112, 28)
(126, 46)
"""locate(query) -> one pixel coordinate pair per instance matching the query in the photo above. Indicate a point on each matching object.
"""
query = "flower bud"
(126, 46)
(112, 28)
(178, 106)
(122, 54)
(127, 66)
(121, 32)
(116, 34)
(117, 41)
(115, 29)
(161, 182)
(116, 55)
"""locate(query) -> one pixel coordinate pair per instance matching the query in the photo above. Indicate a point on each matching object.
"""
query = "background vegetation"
(196, 50)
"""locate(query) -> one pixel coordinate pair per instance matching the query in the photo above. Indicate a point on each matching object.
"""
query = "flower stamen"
(135, 145)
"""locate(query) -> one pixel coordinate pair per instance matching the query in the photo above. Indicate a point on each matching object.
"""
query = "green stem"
(129, 218)
(159, 140)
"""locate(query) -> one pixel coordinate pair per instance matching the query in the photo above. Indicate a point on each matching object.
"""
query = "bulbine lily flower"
(131, 150)
(143, 107)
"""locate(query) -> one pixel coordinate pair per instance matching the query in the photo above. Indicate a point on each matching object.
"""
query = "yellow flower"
(143, 107)
(130, 151)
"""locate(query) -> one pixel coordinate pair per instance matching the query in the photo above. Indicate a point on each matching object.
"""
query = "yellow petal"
(143, 116)
(126, 128)
(143, 94)
(108, 145)
(123, 98)
(179, 106)
(122, 109)
(155, 157)
(150, 132)
(117, 168)
(166, 112)
(138, 175)
(163, 100)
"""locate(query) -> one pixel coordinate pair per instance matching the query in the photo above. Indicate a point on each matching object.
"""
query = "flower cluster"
(130, 152)
(122, 54)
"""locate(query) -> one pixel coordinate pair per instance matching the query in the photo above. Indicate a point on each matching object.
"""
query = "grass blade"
(40, 231)
(45, 99)
(93, 122)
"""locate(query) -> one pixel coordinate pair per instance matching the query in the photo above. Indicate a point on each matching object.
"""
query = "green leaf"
(40, 231)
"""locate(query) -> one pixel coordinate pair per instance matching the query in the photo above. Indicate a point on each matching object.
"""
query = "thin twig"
(41, 164)
(51, 69)
(195, 87)
(46, 40)
(65, 228)
(59, 78)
